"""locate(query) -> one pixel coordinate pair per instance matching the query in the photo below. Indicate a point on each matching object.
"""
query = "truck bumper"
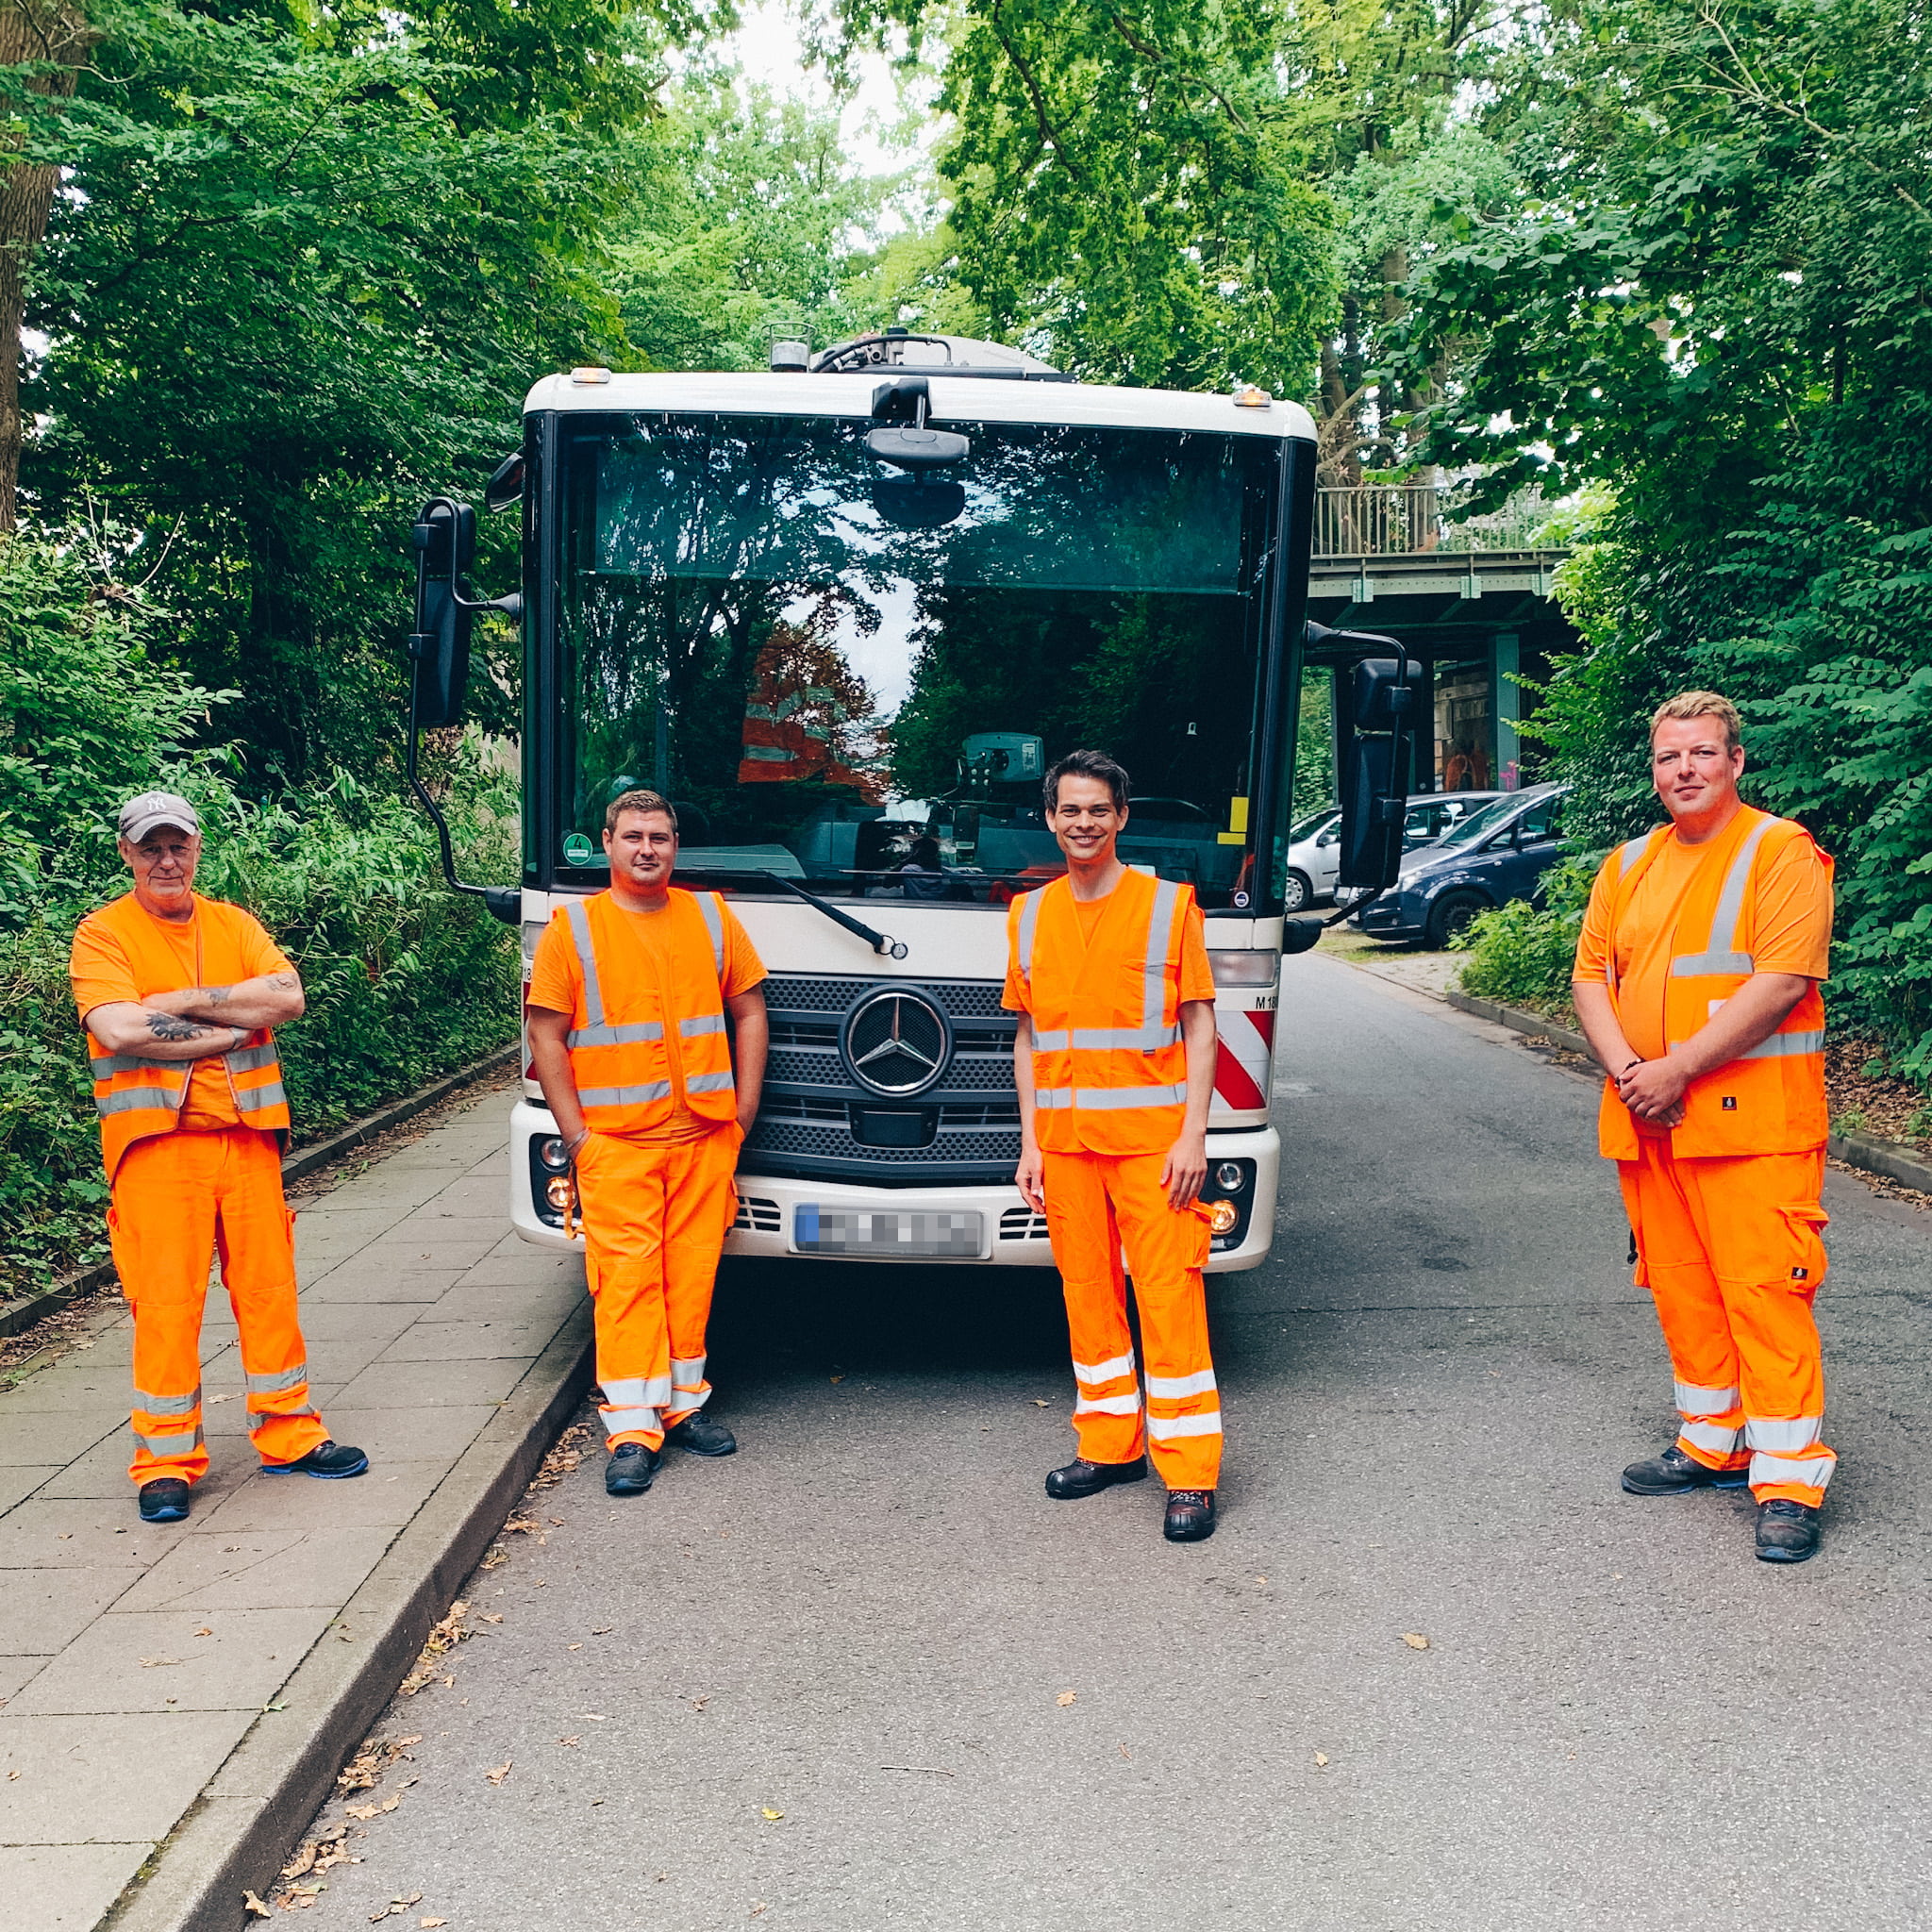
(1012, 1235)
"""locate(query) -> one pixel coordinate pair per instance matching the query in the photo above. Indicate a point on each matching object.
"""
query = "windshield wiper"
(881, 943)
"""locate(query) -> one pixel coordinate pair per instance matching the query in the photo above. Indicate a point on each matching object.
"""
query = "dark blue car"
(1496, 855)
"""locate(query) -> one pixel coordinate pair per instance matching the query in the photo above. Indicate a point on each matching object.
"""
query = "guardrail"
(1415, 519)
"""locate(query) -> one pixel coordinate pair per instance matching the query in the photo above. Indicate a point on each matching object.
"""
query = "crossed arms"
(198, 1022)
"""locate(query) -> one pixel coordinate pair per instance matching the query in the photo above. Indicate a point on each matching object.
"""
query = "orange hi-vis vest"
(137, 1097)
(1771, 1100)
(618, 1055)
(1109, 1072)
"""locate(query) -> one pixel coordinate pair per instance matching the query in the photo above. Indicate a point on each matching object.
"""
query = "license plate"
(951, 1234)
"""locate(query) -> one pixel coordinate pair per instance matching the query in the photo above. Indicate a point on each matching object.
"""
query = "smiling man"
(1114, 1062)
(178, 994)
(1698, 982)
(629, 991)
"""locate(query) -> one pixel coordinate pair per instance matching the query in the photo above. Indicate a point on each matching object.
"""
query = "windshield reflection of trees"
(1092, 593)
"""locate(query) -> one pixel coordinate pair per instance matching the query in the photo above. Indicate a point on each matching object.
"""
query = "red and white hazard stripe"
(1242, 1070)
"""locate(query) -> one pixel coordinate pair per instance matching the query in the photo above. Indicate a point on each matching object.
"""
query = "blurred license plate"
(908, 1234)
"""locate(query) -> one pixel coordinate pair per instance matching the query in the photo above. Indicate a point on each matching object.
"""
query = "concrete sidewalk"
(175, 1700)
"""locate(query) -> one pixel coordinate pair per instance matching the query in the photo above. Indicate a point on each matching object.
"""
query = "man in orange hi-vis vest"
(178, 994)
(1696, 980)
(630, 993)
(1114, 1060)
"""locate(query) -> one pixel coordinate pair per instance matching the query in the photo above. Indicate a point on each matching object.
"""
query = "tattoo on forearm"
(174, 1029)
(283, 982)
(213, 995)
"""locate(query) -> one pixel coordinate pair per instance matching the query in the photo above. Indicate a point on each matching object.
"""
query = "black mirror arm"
(504, 902)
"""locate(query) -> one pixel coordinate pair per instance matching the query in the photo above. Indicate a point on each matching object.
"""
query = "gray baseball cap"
(151, 811)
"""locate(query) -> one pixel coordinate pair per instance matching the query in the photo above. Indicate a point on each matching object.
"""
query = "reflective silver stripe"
(1694, 1400)
(107, 1065)
(704, 1023)
(636, 1392)
(1051, 1040)
(1167, 896)
(274, 1385)
(1114, 1099)
(244, 1060)
(1164, 1428)
(1724, 955)
(686, 1400)
(1786, 1437)
(166, 1404)
(579, 919)
(1105, 1372)
(687, 1375)
(633, 1035)
(618, 1422)
(1110, 1404)
(1784, 1046)
(258, 1099)
(1052, 1097)
(1629, 853)
(624, 1096)
(142, 1099)
(1029, 919)
(715, 923)
(709, 1083)
(1714, 1439)
(171, 1445)
(1816, 1471)
(1128, 1039)
(1170, 1388)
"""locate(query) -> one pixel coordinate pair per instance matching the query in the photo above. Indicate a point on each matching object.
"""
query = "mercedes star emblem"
(896, 1042)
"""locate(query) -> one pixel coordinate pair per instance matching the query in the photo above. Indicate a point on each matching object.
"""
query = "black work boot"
(1190, 1516)
(1083, 1478)
(332, 1462)
(631, 1471)
(165, 1500)
(1673, 1474)
(701, 1435)
(1787, 1531)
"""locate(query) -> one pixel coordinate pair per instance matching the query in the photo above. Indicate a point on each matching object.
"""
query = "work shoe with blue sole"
(631, 1471)
(165, 1500)
(331, 1461)
(1673, 1474)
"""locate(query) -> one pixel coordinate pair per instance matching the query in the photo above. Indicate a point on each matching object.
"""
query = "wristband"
(570, 1146)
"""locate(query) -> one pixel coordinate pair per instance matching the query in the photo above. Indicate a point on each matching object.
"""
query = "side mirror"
(1300, 935)
(446, 540)
(1383, 697)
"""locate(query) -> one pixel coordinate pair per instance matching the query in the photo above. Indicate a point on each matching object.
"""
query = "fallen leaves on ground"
(1066, 1697)
(603, 1629)
(395, 1907)
(1415, 1639)
(518, 1526)
(561, 1460)
(363, 1813)
(1320, 1758)
(430, 1925)
(502, 1772)
(203, 1631)
(442, 1640)
(570, 1743)
(772, 1816)
(365, 1770)
(254, 1906)
(154, 1663)
(573, 1646)
(1037, 1404)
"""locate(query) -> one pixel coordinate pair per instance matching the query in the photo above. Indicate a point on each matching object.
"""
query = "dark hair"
(637, 801)
(1087, 765)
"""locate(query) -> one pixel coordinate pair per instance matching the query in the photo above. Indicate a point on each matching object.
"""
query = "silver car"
(1314, 845)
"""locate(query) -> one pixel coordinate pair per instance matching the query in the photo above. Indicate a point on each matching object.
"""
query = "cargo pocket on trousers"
(1804, 1229)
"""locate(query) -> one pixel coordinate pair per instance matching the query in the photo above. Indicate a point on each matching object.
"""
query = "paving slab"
(174, 1698)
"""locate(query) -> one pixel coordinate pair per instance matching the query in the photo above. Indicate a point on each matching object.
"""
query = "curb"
(21, 1315)
(239, 1834)
(1894, 1160)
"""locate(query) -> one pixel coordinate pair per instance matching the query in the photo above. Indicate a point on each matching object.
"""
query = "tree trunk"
(55, 34)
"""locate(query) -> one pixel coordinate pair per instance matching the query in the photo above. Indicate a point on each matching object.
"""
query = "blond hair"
(1702, 704)
(637, 801)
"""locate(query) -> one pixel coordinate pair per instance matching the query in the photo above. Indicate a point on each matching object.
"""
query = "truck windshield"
(857, 681)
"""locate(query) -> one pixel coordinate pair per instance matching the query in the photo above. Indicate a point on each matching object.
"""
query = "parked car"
(1430, 816)
(1493, 856)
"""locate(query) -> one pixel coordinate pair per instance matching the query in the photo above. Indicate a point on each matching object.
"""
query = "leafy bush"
(404, 980)
(1522, 953)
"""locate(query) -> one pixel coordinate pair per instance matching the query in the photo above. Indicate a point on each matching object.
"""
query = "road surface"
(865, 1676)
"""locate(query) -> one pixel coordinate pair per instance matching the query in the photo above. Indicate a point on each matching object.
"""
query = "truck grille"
(813, 1124)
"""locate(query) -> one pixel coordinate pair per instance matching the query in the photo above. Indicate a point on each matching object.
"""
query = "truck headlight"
(551, 1151)
(561, 1193)
(1223, 1217)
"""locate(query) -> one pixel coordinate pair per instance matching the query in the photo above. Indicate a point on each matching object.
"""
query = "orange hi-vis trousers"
(179, 1200)
(655, 1215)
(1732, 1250)
(1096, 1205)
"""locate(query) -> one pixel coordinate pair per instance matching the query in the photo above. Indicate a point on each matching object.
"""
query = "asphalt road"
(832, 1686)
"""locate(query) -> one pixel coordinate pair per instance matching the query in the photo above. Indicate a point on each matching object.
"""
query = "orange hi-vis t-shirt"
(102, 976)
(557, 976)
(1197, 975)
(1793, 915)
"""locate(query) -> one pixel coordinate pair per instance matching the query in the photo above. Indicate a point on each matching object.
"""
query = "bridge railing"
(1415, 519)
